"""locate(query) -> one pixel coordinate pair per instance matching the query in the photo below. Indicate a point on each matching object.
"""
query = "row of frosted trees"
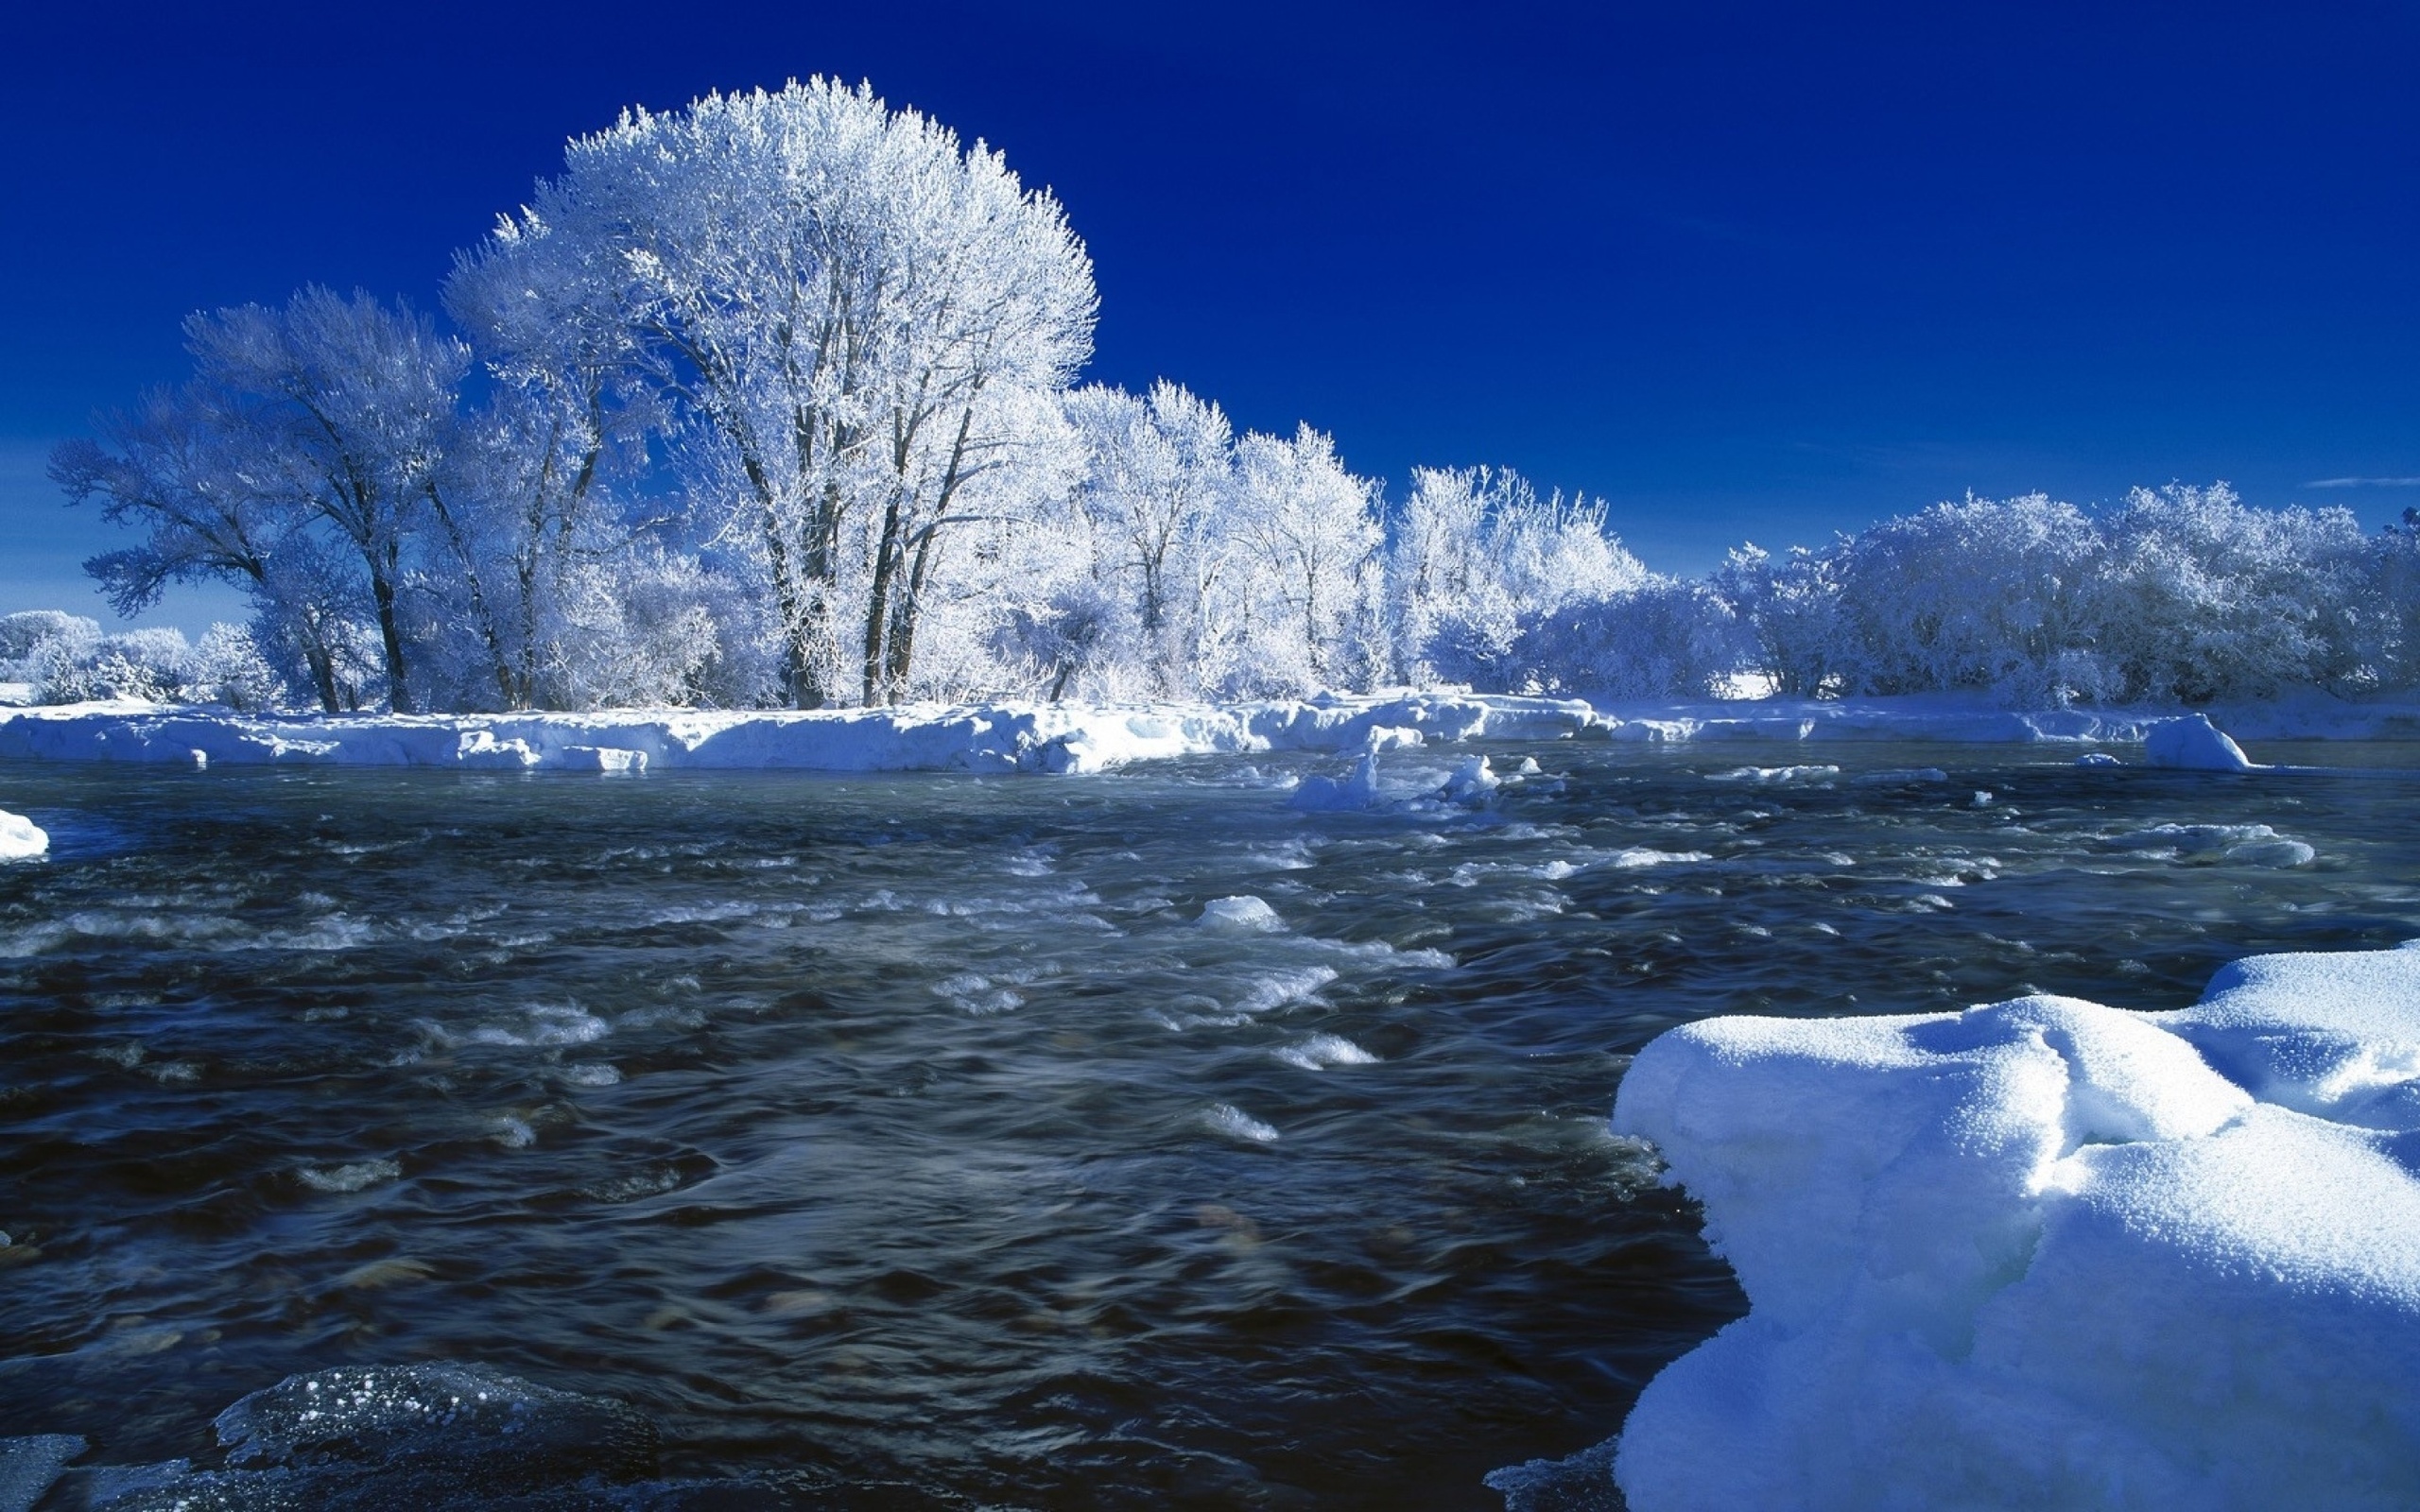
(769, 401)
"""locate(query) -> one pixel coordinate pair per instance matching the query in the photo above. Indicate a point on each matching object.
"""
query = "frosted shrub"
(230, 669)
(1667, 639)
(1788, 612)
(2392, 635)
(1980, 596)
(2206, 598)
(22, 634)
(1476, 555)
(156, 665)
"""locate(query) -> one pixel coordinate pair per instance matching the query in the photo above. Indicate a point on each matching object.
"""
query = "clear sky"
(1746, 272)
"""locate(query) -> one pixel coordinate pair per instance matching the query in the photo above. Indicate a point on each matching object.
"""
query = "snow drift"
(2046, 1253)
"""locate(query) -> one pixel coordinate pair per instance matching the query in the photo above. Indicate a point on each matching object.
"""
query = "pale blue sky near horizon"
(1747, 271)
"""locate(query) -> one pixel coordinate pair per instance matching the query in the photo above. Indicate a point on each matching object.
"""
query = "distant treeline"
(769, 401)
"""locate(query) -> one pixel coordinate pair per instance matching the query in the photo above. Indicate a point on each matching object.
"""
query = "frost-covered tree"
(1303, 588)
(533, 471)
(196, 471)
(852, 315)
(348, 407)
(1476, 556)
(1152, 510)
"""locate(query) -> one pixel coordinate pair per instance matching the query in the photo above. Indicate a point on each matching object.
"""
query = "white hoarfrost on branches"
(856, 319)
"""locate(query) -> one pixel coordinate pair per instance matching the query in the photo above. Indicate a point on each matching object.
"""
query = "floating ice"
(1243, 915)
(2194, 744)
(2097, 758)
(1338, 794)
(2050, 1254)
(21, 838)
(1472, 782)
(1391, 737)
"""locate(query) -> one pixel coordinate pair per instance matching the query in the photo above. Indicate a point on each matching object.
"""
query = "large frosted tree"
(852, 316)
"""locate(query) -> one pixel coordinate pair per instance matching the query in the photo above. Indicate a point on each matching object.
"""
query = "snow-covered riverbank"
(2045, 1253)
(1010, 736)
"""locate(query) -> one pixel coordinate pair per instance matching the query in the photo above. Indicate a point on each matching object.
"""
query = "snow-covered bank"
(2050, 1254)
(1071, 737)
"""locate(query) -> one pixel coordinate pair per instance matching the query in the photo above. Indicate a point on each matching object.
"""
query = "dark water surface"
(916, 1130)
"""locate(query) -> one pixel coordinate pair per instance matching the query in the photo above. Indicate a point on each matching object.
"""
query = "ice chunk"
(618, 758)
(1358, 791)
(1243, 915)
(21, 838)
(2097, 758)
(2193, 743)
(1391, 737)
(2047, 1253)
(481, 750)
(1472, 782)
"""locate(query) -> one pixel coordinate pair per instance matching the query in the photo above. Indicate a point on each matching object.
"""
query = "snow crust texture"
(1006, 737)
(2045, 1253)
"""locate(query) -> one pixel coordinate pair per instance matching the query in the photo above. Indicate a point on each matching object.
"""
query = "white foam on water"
(537, 1024)
(1777, 776)
(1224, 1118)
(1268, 991)
(1632, 858)
(353, 1178)
(1241, 915)
(2255, 845)
(1322, 1051)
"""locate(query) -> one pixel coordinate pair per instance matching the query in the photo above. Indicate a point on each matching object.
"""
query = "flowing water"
(936, 1134)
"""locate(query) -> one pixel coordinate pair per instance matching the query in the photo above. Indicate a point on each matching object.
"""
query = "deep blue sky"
(1747, 271)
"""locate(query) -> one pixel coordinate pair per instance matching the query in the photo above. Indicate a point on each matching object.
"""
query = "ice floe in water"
(21, 838)
(2045, 1253)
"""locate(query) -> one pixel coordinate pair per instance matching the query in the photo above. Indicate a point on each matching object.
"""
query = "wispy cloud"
(2364, 483)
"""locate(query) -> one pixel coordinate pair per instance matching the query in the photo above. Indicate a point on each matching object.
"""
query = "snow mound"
(21, 838)
(2193, 743)
(2045, 1253)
